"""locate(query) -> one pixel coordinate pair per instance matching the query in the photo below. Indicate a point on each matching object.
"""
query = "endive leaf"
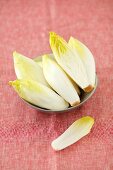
(59, 81)
(76, 131)
(40, 63)
(86, 57)
(39, 94)
(37, 59)
(69, 61)
(26, 68)
(75, 85)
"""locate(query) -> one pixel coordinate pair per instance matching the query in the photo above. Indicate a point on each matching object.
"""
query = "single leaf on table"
(59, 81)
(39, 94)
(69, 61)
(76, 131)
(86, 57)
(26, 68)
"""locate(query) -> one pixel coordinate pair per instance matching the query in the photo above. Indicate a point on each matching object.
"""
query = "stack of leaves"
(56, 81)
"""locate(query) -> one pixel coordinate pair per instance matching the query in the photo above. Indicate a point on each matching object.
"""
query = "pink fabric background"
(26, 134)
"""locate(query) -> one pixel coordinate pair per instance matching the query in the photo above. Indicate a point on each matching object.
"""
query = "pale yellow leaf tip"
(74, 43)
(45, 58)
(51, 33)
(15, 83)
(57, 43)
(52, 38)
(74, 40)
(88, 118)
(10, 83)
(14, 53)
(71, 38)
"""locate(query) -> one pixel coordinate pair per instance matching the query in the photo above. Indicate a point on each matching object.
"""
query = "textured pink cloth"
(26, 134)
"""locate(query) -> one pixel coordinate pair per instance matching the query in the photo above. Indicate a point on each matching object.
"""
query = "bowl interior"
(83, 97)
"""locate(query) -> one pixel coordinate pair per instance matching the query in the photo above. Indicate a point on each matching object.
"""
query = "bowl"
(83, 97)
